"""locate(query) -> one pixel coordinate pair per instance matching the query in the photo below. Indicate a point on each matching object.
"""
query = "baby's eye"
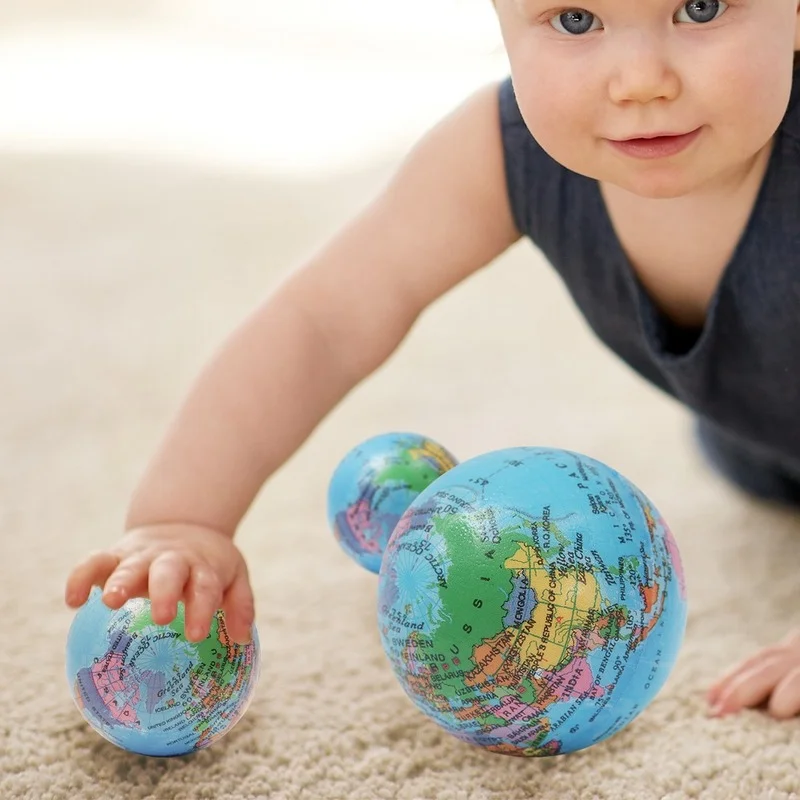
(699, 11)
(575, 21)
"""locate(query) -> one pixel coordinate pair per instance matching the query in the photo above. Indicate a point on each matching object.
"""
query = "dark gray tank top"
(741, 371)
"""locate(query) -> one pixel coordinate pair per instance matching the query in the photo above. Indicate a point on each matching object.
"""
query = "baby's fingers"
(94, 571)
(751, 686)
(785, 700)
(239, 608)
(716, 689)
(128, 580)
(203, 597)
(169, 573)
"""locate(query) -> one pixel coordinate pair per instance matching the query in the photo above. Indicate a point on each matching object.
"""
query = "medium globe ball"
(532, 601)
(374, 484)
(148, 689)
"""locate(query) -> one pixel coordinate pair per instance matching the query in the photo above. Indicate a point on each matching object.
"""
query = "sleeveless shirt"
(741, 370)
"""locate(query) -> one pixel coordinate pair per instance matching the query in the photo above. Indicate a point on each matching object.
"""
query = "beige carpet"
(116, 280)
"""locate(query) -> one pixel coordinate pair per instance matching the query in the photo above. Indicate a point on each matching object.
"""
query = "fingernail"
(717, 710)
(246, 637)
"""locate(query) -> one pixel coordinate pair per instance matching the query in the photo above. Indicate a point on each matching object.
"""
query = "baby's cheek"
(752, 92)
(560, 132)
(752, 108)
(558, 105)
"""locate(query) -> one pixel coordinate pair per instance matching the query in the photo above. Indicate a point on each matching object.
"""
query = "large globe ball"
(374, 484)
(148, 689)
(532, 601)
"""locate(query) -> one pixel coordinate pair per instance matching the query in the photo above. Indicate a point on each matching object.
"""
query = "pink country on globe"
(531, 601)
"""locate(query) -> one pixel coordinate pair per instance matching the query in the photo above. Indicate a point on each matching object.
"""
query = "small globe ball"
(532, 601)
(374, 484)
(149, 690)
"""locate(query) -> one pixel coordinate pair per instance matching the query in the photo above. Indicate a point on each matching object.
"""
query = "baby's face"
(615, 69)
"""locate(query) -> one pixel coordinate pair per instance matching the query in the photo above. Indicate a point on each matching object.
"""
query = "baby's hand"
(771, 676)
(168, 563)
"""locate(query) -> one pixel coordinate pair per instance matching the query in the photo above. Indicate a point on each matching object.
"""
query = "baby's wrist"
(174, 527)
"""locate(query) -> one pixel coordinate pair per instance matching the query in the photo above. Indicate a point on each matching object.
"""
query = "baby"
(651, 150)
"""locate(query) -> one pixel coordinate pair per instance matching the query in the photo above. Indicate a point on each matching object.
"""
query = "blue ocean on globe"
(532, 601)
(373, 486)
(149, 690)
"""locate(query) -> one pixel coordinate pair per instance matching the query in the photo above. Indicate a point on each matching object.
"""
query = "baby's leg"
(751, 470)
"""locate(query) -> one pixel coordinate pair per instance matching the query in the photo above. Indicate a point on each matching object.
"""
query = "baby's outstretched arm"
(443, 216)
(771, 677)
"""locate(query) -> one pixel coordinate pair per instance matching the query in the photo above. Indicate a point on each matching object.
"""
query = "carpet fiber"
(117, 281)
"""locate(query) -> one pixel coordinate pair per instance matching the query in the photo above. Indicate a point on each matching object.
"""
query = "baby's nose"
(641, 70)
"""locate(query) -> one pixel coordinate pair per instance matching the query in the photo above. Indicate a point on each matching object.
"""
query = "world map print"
(532, 601)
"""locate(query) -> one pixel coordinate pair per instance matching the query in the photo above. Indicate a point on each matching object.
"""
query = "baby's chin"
(659, 188)
(650, 182)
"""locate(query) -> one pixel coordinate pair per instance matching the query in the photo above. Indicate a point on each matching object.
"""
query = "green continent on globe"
(415, 465)
(374, 484)
(147, 688)
(509, 625)
(216, 673)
